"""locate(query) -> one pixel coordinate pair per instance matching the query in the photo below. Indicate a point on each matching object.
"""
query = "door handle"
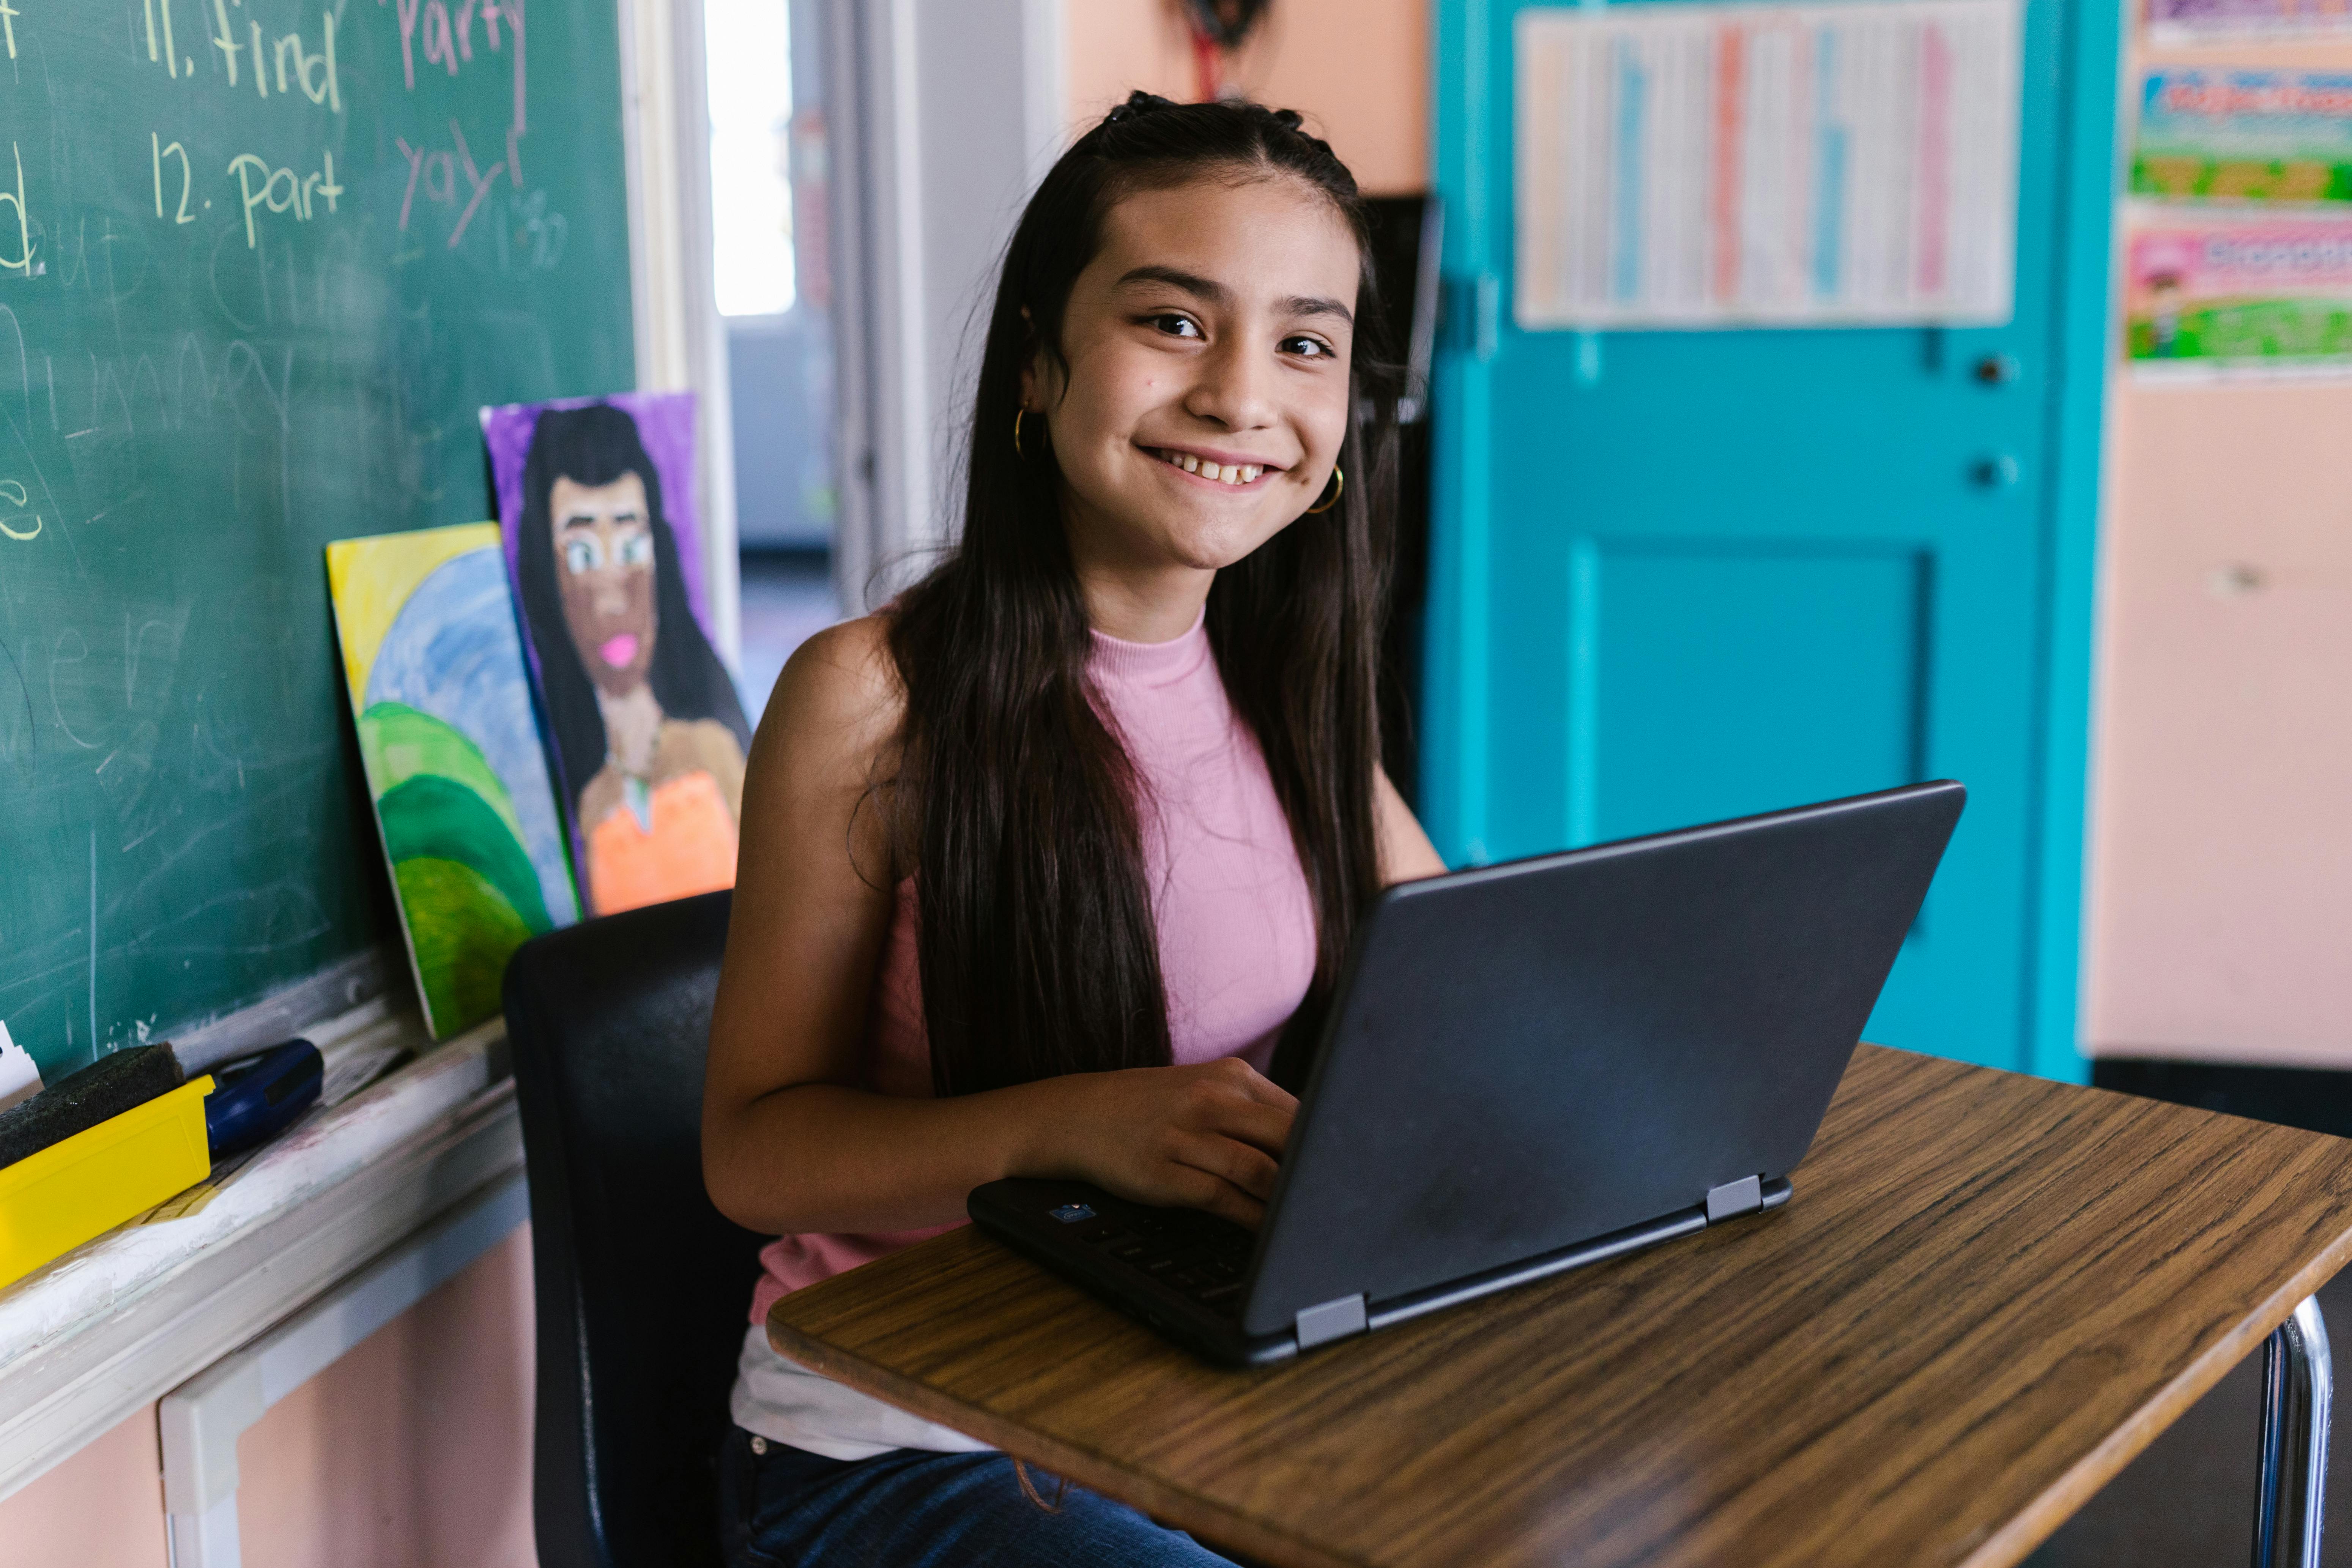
(1997, 370)
(1996, 472)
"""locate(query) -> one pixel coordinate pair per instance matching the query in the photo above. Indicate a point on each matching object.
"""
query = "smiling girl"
(1041, 863)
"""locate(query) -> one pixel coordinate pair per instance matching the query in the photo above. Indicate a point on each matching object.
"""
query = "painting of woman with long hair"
(648, 734)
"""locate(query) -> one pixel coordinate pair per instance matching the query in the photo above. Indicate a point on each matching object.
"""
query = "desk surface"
(1989, 1293)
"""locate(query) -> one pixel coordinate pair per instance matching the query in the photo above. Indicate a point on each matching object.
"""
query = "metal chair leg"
(2298, 1385)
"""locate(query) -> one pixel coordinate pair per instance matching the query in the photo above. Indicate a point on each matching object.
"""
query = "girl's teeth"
(1227, 473)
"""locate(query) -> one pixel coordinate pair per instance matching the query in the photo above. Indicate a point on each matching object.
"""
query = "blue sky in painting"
(453, 652)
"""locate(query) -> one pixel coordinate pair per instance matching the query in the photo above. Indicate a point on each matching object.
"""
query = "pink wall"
(102, 1507)
(1358, 69)
(412, 1450)
(2220, 883)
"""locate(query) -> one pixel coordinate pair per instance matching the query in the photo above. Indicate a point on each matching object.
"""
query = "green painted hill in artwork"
(468, 887)
(463, 934)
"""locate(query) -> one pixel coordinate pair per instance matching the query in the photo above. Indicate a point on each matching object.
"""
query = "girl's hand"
(1204, 1137)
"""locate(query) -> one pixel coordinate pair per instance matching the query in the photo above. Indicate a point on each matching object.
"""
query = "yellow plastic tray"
(52, 1202)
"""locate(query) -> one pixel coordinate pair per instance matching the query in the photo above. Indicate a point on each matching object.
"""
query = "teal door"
(1681, 576)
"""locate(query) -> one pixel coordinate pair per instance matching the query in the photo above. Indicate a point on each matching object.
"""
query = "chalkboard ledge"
(115, 1325)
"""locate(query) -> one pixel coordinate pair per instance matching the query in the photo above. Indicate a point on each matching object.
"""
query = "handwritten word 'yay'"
(437, 174)
(299, 197)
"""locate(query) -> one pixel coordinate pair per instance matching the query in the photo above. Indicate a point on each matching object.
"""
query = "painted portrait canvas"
(643, 726)
(451, 748)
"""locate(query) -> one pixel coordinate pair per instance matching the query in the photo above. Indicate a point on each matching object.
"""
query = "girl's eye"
(582, 553)
(1307, 348)
(637, 550)
(1177, 326)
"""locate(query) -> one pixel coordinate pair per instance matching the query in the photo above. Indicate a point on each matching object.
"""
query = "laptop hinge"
(1733, 1198)
(1334, 1320)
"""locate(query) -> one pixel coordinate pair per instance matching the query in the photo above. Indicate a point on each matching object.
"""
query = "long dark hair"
(595, 446)
(1038, 950)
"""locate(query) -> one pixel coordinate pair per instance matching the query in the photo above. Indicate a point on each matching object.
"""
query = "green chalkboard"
(261, 262)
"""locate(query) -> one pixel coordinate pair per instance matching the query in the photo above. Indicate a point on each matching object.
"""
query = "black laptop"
(1532, 1067)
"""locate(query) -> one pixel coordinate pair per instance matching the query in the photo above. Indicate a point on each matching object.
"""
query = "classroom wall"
(101, 1507)
(1358, 69)
(2220, 874)
(412, 1451)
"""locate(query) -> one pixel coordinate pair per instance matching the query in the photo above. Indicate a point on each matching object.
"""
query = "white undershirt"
(789, 1403)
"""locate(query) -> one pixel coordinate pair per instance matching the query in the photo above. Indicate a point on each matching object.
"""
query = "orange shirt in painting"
(690, 850)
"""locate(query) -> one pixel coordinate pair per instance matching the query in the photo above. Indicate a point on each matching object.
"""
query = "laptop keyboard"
(1199, 1255)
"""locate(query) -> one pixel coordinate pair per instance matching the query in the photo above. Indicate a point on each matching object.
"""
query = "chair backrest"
(642, 1285)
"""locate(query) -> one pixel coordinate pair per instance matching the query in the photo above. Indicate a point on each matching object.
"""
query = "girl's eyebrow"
(1209, 291)
(1314, 305)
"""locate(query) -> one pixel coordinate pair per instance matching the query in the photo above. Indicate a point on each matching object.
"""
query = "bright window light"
(749, 46)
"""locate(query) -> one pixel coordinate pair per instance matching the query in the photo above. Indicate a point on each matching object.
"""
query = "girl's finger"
(1194, 1188)
(1262, 1126)
(1266, 1092)
(1235, 1164)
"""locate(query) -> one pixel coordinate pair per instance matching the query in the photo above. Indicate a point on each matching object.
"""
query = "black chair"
(642, 1285)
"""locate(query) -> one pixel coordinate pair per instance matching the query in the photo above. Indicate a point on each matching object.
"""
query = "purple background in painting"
(665, 424)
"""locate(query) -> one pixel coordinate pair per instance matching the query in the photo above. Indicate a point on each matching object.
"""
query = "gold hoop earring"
(1018, 414)
(1338, 483)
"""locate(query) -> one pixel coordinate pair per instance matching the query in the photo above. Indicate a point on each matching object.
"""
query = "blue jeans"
(915, 1508)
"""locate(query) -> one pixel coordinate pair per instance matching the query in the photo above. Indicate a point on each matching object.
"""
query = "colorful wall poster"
(1708, 165)
(2244, 135)
(2177, 21)
(452, 755)
(596, 498)
(2208, 295)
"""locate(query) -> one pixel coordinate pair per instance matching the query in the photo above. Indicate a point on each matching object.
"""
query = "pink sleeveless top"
(1235, 923)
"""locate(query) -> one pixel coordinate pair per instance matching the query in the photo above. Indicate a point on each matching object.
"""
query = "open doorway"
(773, 283)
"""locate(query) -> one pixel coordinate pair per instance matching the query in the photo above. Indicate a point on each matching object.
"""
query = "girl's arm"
(1406, 852)
(789, 1141)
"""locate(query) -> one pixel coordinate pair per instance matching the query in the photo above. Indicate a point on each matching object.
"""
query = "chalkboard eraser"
(82, 1186)
(79, 1101)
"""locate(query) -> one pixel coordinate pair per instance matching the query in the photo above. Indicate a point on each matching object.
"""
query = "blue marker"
(254, 1099)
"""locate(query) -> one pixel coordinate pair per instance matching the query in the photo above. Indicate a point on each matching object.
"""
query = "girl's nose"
(1234, 388)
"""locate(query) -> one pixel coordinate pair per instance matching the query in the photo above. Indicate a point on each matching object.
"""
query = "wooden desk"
(1989, 1293)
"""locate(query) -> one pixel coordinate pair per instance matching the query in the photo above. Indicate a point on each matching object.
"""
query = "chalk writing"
(300, 196)
(15, 525)
(170, 55)
(445, 39)
(255, 57)
(15, 738)
(531, 238)
(448, 41)
(8, 15)
(163, 150)
(321, 87)
(436, 173)
(58, 658)
(22, 264)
